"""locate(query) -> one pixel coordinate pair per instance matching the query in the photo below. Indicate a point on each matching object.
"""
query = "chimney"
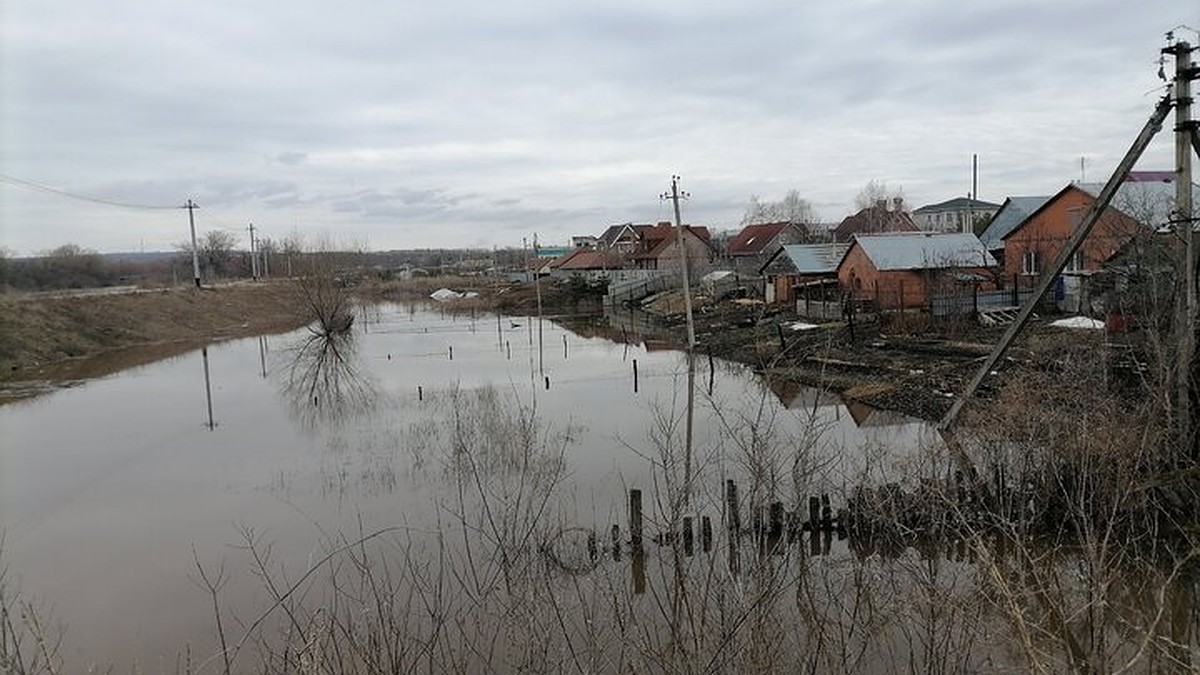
(898, 204)
(881, 204)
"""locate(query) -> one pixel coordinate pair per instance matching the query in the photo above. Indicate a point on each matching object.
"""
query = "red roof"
(587, 259)
(874, 219)
(754, 239)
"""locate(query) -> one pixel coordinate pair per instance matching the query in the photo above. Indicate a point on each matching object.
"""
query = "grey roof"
(924, 250)
(815, 258)
(1012, 213)
(1148, 202)
(957, 204)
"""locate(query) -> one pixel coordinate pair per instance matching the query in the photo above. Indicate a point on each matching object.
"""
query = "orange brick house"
(1033, 245)
(906, 270)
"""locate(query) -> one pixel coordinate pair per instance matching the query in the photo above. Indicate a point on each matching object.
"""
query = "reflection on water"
(322, 381)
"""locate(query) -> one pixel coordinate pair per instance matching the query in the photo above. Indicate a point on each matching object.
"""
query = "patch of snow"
(800, 325)
(1079, 322)
(445, 295)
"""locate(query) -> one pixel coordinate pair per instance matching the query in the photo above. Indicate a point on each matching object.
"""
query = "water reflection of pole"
(207, 388)
(262, 354)
(537, 286)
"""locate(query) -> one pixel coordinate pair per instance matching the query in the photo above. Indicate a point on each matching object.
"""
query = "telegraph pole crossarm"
(1153, 125)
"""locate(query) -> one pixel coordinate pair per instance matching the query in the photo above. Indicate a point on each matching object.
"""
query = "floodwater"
(117, 493)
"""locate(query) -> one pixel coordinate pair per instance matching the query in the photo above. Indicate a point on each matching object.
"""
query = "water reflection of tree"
(322, 381)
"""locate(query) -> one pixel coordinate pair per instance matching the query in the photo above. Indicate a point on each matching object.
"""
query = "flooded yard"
(441, 491)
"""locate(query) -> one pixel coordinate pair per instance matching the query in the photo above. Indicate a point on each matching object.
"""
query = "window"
(1031, 263)
(1075, 264)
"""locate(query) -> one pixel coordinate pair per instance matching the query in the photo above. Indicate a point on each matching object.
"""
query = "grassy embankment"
(45, 337)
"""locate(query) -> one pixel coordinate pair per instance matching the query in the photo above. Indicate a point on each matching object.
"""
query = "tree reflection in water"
(322, 382)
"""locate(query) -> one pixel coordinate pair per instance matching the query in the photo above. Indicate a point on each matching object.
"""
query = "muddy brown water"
(112, 489)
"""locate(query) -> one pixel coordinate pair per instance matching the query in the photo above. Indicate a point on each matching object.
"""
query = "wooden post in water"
(689, 537)
(451, 352)
(635, 520)
(635, 377)
(735, 524)
(564, 347)
(547, 383)
(420, 393)
(508, 348)
(712, 372)
(731, 505)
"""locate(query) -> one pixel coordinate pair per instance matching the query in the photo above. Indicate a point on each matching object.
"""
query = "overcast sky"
(406, 124)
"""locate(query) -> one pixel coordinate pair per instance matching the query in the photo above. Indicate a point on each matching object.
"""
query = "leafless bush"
(28, 643)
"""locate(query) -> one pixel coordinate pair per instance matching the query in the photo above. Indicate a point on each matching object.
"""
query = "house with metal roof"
(1141, 206)
(794, 265)
(907, 270)
(1011, 213)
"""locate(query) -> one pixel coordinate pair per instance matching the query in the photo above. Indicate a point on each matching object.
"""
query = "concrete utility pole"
(1185, 225)
(253, 255)
(192, 206)
(674, 196)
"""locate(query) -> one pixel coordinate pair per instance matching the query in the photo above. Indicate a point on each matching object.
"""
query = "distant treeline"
(72, 266)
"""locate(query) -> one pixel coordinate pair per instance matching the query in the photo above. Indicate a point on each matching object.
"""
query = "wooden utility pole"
(191, 207)
(674, 196)
(1185, 225)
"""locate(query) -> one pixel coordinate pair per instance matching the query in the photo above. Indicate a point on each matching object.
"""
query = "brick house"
(905, 270)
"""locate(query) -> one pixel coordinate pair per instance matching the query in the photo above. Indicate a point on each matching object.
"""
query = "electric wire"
(12, 180)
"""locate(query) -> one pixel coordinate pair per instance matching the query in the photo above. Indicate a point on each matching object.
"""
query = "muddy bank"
(48, 338)
(915, 369)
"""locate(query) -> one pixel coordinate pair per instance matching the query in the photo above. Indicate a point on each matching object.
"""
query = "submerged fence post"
(735, 524)
(635, 520)
(635, 377)
(451, 352)
(689, 537)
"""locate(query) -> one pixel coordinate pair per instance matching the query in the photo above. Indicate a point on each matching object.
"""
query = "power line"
(85, 198)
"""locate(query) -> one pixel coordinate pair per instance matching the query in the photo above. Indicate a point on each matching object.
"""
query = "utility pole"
(253, 255)
(674, 196)
(191, 207)
(1185, 225)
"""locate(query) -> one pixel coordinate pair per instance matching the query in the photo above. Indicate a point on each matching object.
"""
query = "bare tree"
(874, 192)
(792, 209)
